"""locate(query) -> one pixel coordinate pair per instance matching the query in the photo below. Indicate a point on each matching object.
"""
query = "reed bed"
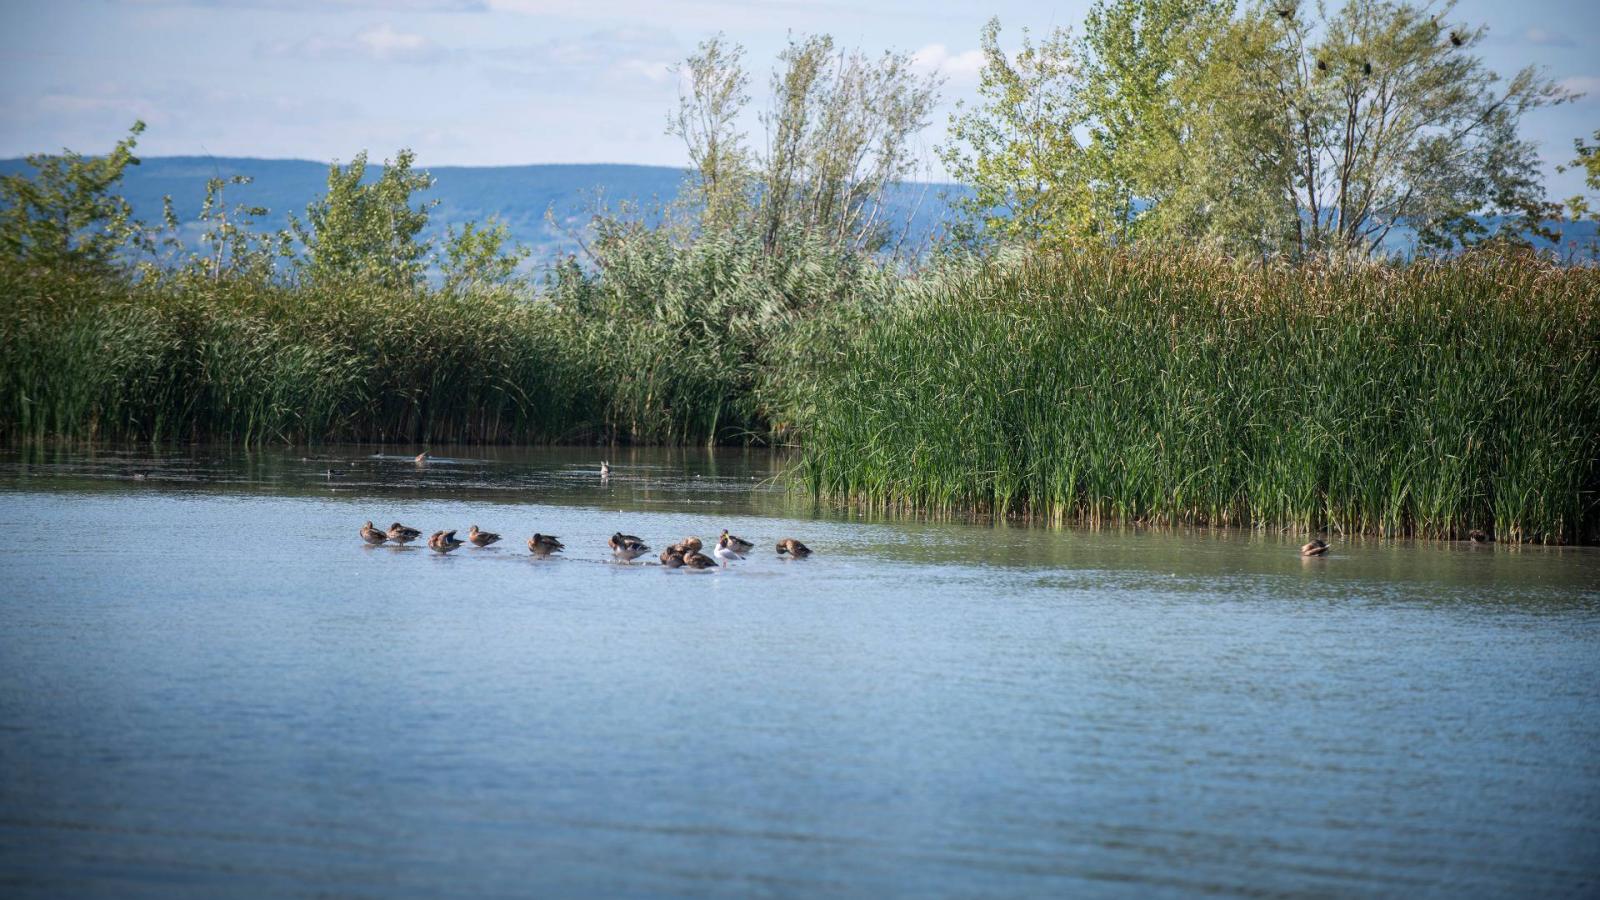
(671, 345)
(1424, 400)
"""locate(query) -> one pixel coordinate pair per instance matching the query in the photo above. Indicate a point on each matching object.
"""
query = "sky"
(507, 82)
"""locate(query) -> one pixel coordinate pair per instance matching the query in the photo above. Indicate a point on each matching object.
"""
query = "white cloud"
(960, 68)
(391, 6)
(1546, 38)
(382, 43)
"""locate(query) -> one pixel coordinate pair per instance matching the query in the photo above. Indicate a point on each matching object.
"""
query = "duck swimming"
(481, 538)
(725, 551)
(444, 541)
(402, 534)
(372, 535)
(1479, 536)
(672, 559)
(698, 561)
(736, 543)
(626, 546)
(545, 544)
(1316, 547)
(794, 548)
(685, 545)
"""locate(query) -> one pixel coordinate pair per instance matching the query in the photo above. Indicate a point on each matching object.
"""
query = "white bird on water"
(724, 551)
(605, 470)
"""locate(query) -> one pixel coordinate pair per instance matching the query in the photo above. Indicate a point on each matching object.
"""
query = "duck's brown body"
(793, 548)
(372, 535)
(444, 541)
(402, 534)
(694, 559)
(627, 546)
(481, 538)
(545, 544)
(734, 542)
(1316, 547)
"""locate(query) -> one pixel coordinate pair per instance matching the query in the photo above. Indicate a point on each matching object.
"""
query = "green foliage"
(366, 232)
(478, 257)
(838, 135)
(1017, 148)
(66, 216)
(1427, 400)
(1272, 131)
(1578, 208)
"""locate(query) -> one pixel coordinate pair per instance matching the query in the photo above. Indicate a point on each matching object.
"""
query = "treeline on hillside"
(1053, 356)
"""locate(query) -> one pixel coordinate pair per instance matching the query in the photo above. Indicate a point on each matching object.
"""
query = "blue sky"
(481, 82)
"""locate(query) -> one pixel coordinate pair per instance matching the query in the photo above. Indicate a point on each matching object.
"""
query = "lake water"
(210, 686)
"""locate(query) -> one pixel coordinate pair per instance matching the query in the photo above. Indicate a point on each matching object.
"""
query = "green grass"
(1425, 400)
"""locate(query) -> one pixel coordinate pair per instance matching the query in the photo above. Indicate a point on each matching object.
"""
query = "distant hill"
(517, 195)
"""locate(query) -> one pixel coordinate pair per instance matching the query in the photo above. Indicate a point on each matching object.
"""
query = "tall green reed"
(1429, 400)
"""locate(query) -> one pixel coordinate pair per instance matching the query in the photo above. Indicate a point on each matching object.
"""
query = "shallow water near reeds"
(210, 686)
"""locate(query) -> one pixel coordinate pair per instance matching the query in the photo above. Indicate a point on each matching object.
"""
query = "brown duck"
(372, 535)
(1316, 547)
(481, 538)
(698, 561)
(403, 534)
(444, 541)
(545, 544)
(794, 548)
(735, 543)
(627, 546)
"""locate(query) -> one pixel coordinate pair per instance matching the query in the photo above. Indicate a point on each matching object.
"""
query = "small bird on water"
(736, 543)
(544, 544)
(372, 535)
(421, 458)
(698, 561)
(1479, 536)
(444, 541)
(627, 546)
(1316, 547)
(605, 469)
(481, 538)
(725, 551)
(403, 534)
(794, 548)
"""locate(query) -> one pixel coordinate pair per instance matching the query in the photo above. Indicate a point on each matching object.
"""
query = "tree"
(231, 248)
(1578, 208)
(707, 122)
(1268, 131)
(367, 232)
(837, 137)
(1017, 149)
(479, 257)
(66, 215)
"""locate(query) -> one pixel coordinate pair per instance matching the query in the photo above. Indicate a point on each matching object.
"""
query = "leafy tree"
(66, 215)
(480, 256)
(1269, 130)
(707, 122)
(230, 247)
(1578, 208)
(837, 137)
(1017, 148)
(370, 231)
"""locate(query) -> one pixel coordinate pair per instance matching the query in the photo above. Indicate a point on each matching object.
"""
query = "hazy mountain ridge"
(520, 196)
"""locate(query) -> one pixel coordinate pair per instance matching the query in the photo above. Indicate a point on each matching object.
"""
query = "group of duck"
(625, 547)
